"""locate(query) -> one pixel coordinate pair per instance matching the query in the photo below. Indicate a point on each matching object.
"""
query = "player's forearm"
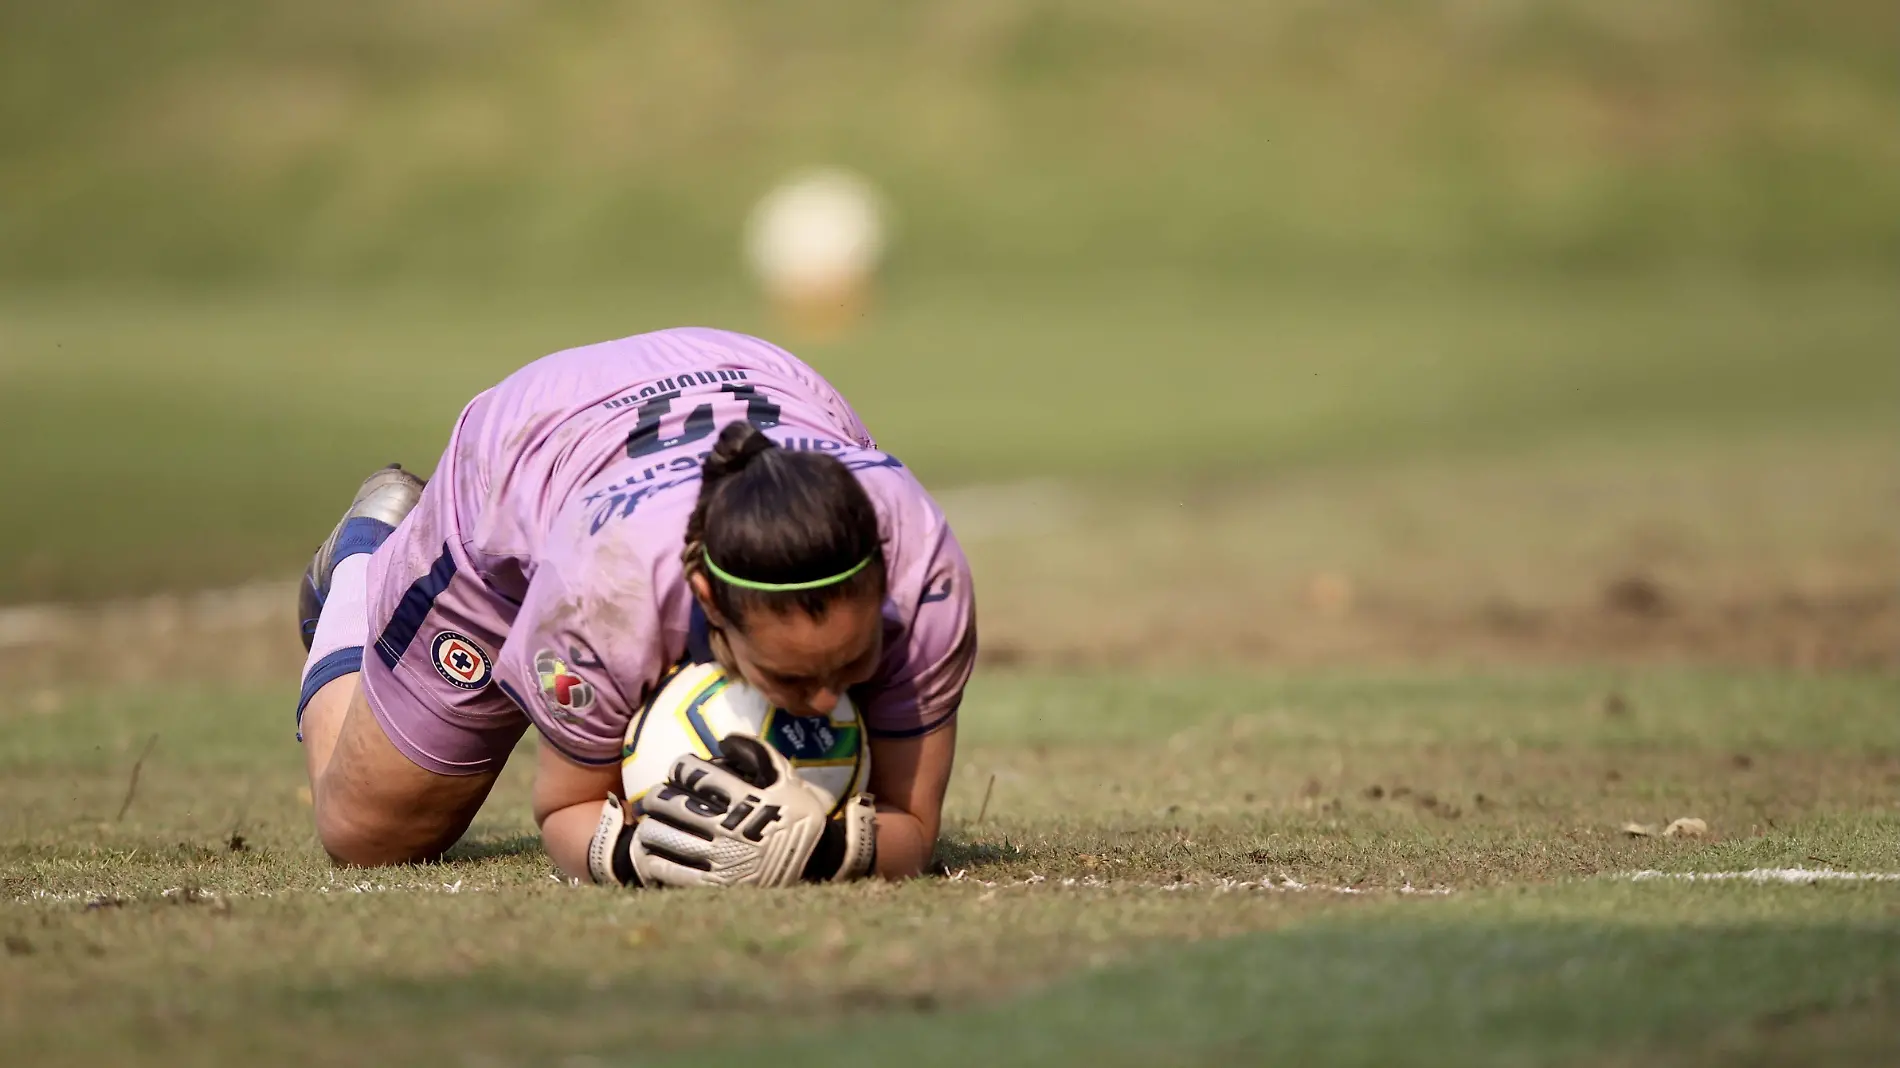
(909, 776)
(904, 844)
(565, 834)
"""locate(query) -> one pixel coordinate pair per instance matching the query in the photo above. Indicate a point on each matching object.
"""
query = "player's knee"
(369, 840)
(344, 839)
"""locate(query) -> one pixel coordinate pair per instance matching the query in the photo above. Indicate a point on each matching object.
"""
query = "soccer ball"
(699, 704)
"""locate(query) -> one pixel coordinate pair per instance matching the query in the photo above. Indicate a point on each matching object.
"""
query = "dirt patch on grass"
(241, 635)
(1784, 556)
(1853, 627)
(1772, 555)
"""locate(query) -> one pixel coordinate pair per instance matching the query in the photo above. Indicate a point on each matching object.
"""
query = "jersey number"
(646, 440)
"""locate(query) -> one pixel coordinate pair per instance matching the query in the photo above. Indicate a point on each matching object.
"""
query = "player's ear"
(702, 592)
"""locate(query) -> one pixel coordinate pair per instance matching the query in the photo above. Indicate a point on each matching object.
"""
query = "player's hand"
(747, 819)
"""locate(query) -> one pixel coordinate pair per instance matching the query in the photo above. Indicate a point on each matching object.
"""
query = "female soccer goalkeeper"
(588, 513)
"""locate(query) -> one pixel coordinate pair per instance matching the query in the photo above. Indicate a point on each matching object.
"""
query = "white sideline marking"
(1764, 875)
(1284, 884)
(91, 897)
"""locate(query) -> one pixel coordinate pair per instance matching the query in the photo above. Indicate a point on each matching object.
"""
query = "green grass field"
(1398, 446)
(203, 926)
(1317, 693)
(376, 140)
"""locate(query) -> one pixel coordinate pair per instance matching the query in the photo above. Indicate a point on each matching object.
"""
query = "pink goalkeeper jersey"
(543, 563)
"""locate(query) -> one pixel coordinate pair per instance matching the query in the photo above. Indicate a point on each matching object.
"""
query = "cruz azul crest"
(459, 661)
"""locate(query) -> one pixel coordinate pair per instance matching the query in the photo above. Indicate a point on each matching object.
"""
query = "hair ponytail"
(736, 447)
(781, 529)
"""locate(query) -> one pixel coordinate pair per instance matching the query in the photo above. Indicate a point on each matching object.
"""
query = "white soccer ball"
(698, 705)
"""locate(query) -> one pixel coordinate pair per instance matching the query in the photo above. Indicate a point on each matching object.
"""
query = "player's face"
(804, 664)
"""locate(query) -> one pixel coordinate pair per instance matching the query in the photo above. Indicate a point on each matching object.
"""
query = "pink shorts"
(434, 630)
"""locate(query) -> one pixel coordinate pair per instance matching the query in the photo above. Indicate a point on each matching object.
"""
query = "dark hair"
(774, 515)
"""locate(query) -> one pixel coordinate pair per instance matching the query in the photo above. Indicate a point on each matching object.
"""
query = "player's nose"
(822, 701)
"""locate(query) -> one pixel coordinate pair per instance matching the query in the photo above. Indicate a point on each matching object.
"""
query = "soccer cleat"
(379, 507)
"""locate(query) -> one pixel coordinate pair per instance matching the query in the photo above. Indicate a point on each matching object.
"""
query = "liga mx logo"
(459, 661)
(566, 694)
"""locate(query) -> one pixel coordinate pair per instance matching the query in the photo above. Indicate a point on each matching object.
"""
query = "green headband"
(781, 587)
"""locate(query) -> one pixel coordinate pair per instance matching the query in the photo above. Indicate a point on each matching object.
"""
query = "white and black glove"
(610, 851)
(745, 818)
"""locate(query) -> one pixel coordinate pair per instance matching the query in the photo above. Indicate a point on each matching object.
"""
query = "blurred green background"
(248, 251)
(192, 141)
